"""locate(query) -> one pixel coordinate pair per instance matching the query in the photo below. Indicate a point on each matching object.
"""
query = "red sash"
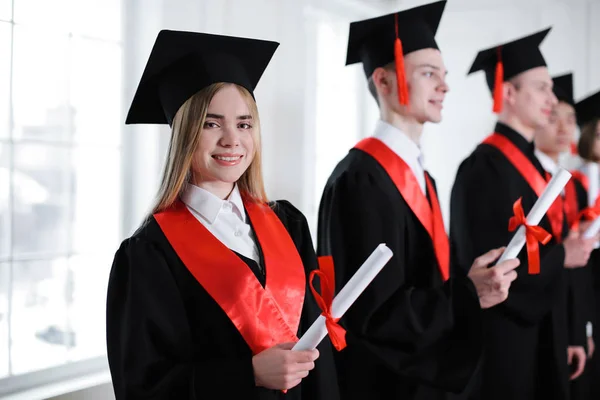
(582, 178)
(571, 204)
(263, 316)
(532, 177)
(406, 183)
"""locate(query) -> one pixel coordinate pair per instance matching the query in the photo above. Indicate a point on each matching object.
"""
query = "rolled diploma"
(591, 170)
(346, 297)
(593, 229)
(593, 175)
(541, 206)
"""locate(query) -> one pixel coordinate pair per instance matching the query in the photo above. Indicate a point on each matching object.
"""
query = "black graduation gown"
(581, 307)
(168, 339)
(593, 368)
(526, 336)
(410, 335)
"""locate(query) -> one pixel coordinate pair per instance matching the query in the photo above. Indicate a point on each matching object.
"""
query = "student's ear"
(382, 81)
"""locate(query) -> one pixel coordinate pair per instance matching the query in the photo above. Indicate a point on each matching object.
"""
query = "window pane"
(97, 18)
(42, 189)
(4, 282)
(5, 9)
(4, 201)
(88, 280)
(4, 77)
(53, 14)
(96, 206)
(40, 92)
(96, 91)
(41, 335)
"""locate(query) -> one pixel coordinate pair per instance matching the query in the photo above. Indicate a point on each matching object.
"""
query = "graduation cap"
(505, 61)
(563, 88)
(379, 41)
(182, 63)
(588, 109)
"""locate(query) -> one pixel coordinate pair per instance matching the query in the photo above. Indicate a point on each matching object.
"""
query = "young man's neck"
(515, 123)
(408, 125)
(554, 156)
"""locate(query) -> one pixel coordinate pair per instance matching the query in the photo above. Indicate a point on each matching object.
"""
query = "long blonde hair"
(186, 132)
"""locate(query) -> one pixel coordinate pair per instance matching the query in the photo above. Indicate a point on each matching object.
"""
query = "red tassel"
(499, 83)
(400, 73)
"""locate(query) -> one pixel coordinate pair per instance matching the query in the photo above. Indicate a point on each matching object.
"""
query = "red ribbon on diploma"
(326, 274)
(589, 213)
(533, 235)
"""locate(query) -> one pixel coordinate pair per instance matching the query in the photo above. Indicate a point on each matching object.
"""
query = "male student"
(525, 345)
(551, 141)
(415, 333)
(588, 119)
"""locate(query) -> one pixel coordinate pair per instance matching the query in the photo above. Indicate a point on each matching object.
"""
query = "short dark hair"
(371, 85)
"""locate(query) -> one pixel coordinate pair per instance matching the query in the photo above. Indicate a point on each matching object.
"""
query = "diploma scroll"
(541, 206)
(346, 297)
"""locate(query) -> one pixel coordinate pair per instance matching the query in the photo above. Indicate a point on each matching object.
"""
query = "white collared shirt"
(404, 148)
(225, 219)
(547, 163)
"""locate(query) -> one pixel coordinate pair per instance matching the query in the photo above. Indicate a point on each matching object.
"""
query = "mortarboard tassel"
(498, 83)
(400, 73)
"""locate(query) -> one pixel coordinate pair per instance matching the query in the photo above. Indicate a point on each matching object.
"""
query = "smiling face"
(426, 80)
(226, 146)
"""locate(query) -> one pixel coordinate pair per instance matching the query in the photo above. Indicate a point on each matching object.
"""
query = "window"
(344, 112)
(60, 178)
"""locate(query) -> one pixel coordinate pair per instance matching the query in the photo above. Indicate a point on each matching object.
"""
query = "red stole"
(532, 177)
(263, 316)
(571, 204)
(408, 186)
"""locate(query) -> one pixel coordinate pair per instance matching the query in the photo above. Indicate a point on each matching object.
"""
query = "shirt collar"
(399, 142)
(547, 162)
(209, 206)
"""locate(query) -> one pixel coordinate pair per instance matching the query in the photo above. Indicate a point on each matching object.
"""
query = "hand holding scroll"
(492, 284)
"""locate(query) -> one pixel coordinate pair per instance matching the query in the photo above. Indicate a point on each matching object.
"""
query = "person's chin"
(433, 117)
(231, 176)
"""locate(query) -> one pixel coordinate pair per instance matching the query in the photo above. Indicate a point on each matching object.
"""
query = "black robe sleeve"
(149, 340)
(421, 332)
(481, 206)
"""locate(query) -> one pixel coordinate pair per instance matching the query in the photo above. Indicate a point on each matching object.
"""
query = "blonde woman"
(206, 298)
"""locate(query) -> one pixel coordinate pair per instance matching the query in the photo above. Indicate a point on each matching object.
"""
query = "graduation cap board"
(182, 63)
(379, 41)
(563, 88)
(588, 109)
(505, 61)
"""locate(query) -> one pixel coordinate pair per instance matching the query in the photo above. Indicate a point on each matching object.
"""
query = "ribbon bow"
(589, 213)
(533, 235)
(326, 274)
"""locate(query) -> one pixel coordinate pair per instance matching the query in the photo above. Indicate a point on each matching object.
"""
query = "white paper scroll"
(346, 297)
(592, 171)
(541, 206)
